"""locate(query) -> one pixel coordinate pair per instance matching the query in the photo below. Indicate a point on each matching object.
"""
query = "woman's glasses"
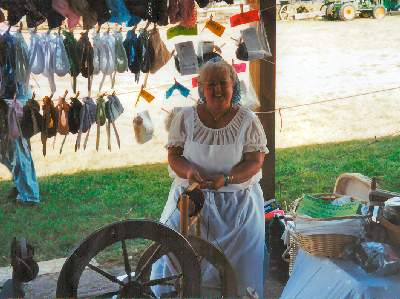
(211, 85)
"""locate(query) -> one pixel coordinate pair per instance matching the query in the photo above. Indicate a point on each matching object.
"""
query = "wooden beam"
(263, 75)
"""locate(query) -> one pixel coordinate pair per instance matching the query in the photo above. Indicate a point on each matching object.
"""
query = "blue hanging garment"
(119, 13)
(130, 45)
(177, 86)
(7, 66)
(134, 20)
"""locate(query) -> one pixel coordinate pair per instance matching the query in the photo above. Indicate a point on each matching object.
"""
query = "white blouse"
(254, 137)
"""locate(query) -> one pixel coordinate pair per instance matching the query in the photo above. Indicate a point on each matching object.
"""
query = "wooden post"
(184, 220)
(263, 75)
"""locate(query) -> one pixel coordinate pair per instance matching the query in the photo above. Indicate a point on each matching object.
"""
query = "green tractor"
(346, 10)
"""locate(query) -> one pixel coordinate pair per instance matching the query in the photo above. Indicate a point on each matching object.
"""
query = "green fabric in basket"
(317, 208)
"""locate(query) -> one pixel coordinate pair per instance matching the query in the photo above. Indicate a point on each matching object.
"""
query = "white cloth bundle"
(351, 227)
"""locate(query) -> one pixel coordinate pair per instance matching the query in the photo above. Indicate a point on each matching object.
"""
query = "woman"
(221, 146)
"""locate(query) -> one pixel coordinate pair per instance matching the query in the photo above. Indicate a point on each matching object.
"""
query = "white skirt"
(234, 222)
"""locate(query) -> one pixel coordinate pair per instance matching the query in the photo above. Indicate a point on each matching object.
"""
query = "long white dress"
(233, 215)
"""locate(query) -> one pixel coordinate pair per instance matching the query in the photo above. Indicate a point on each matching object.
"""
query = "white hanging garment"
(107, 57)
(36, 54)
(60, 57)
(48, 71)
(97, 46)
(22, 60)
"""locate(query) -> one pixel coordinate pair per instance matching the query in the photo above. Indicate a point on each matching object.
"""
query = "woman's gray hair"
(220, 66)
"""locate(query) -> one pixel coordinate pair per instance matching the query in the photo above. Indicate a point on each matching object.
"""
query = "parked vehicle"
(346, 10)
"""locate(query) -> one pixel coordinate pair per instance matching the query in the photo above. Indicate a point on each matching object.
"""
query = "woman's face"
(218, 89)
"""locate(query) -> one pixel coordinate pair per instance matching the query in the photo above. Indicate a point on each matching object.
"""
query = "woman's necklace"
(222, 117)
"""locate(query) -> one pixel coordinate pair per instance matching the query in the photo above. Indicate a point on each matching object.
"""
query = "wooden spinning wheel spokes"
(204, 249)
(135, 285)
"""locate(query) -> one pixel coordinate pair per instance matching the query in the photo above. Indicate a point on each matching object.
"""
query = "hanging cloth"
(143, 50)
(119, 13)
(107, 57)
(15, 113)
(36, 56)
(62, 125)
(49, 121)
(3, 127)
(158, 52)
(155, 11)
(97, 46)
(7, 66)
(113, 110)
(67, 11)
(86, 62)
(130, 45)
(34, 16)
(100, 115)
(121, 60)
(60, 57)
(100, 7)
(176, 11)
(15, 11)
(83, 9)
(74, 115)
(54, 19)
(48, 71)
(31, 122)
(74, 55)
(190, 16)
(88, 118)
(22, 60)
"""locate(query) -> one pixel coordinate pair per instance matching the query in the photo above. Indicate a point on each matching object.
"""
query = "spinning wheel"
(207, 253)
(137, 285)
(186, 253)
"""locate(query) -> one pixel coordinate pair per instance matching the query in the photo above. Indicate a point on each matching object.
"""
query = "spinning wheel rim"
(68, 281)
(212, 254)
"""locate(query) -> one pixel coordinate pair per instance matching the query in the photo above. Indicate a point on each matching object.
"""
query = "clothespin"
(211, 17)
(120, 29)
(165, 110)
(176, 82)
(233, 62)
(241, 10)
(98, 28)
(147, 26)
(65, 94)
(59, 30)
(48, 31)
(33, 95)
(108, 29)
(77, 94)
(113, 93)
(15, 97)
(20, 27)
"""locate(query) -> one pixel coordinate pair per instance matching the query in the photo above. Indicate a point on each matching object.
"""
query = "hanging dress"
(233, 215)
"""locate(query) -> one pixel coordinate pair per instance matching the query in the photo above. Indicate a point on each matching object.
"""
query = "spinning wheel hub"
(133, 289)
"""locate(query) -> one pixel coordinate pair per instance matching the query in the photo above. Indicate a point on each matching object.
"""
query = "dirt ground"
(92, 284)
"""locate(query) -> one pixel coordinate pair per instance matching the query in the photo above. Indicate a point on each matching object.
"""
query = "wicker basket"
(325, 245)
(292, 250)
(393, 231)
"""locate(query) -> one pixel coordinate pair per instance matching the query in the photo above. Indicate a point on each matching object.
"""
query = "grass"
(73, 206)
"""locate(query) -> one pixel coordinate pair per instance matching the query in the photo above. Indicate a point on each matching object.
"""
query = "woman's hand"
(215, 182)
(193, 176)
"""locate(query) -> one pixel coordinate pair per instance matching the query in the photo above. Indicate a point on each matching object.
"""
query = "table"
(314, 277)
